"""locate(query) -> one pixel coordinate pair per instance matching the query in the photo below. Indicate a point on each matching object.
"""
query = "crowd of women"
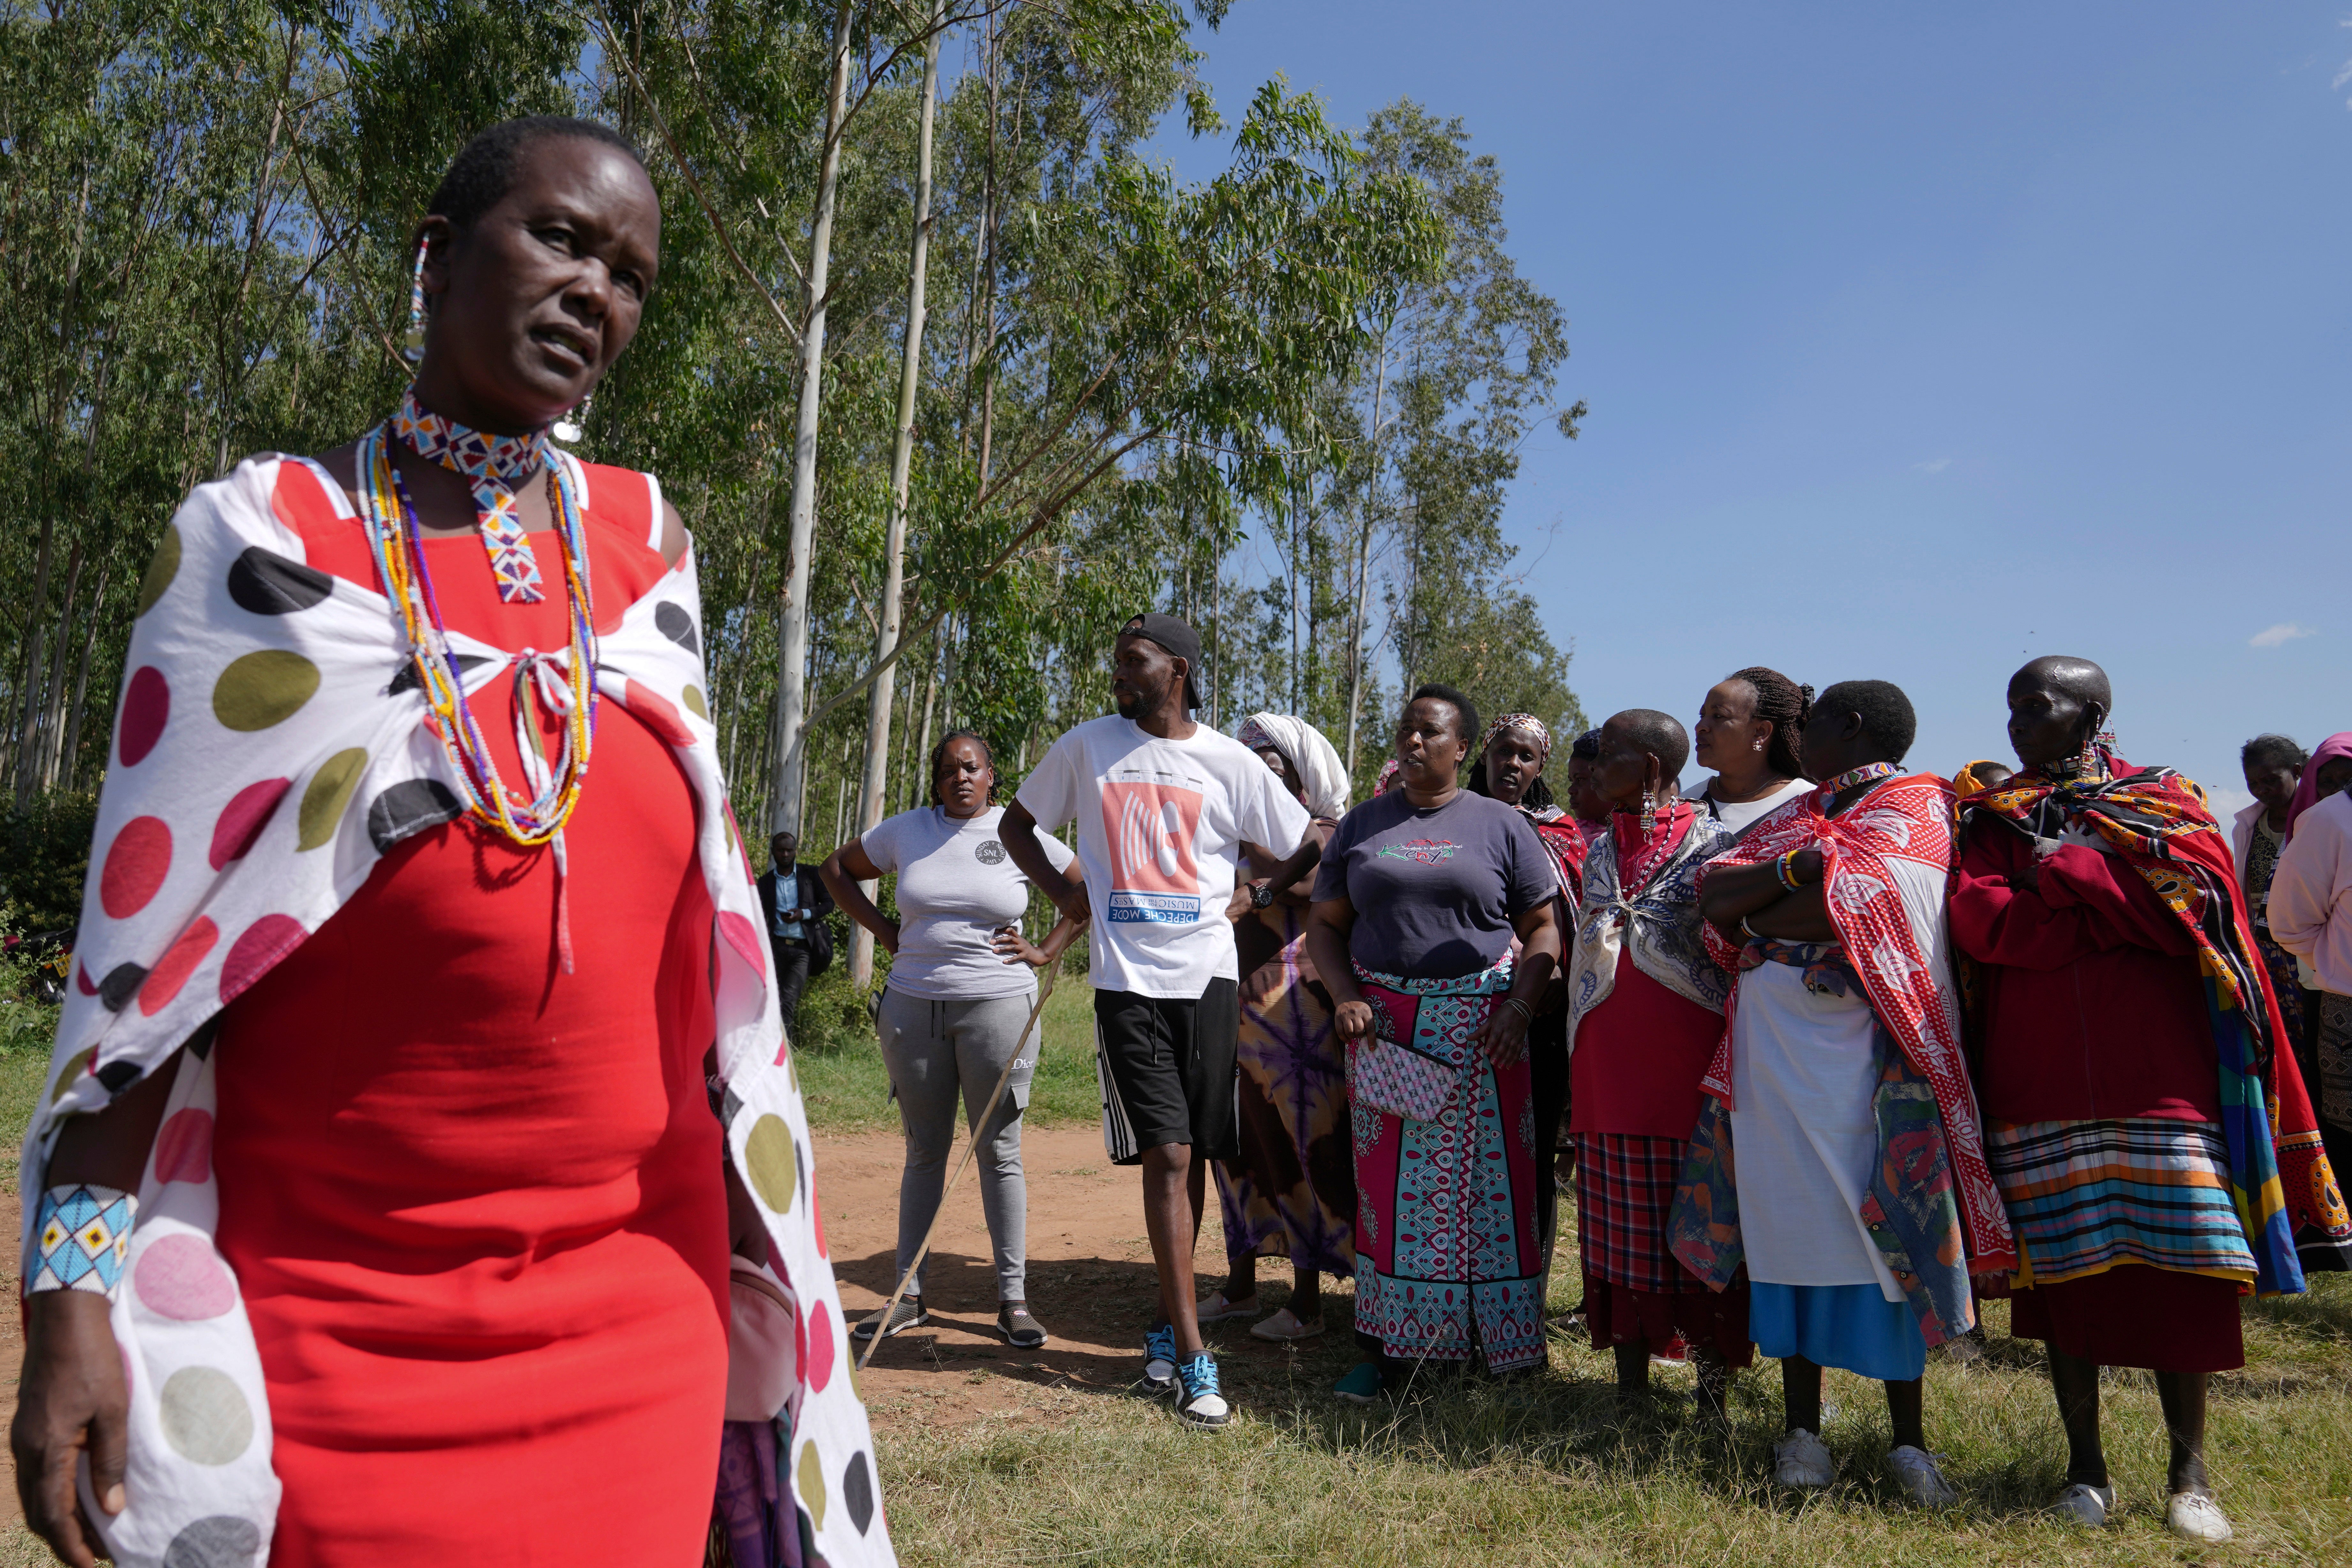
(1830, 1050)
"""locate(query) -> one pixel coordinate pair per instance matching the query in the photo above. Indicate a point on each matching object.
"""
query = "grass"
(1549, 1469)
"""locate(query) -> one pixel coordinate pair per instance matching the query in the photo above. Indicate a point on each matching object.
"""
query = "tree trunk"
(918, 787)
(54, 722)
(81, 681)
(1369, 509)
(876, 787)
(793, 634)
(36, 630)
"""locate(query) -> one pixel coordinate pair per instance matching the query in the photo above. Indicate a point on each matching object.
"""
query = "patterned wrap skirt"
(2130, 1250)
(1292, 1191)
(1448, 1260)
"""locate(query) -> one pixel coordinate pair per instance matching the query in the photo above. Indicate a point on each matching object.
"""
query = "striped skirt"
(2085, 1196)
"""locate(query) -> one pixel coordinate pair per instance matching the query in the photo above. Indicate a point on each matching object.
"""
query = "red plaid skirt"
(1636, 1290)
(1624, 1186)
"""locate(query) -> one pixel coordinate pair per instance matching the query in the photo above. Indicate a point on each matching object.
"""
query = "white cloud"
(2345, 74)
(1934, 466)
(2284, 632)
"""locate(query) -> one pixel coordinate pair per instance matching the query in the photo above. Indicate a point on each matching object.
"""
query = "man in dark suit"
(791, 919)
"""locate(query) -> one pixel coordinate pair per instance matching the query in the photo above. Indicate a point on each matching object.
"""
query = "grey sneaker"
(1922, 1477)
(1803, 1459)
(907, 1314)
(1020, 1330)
(2086, 1505)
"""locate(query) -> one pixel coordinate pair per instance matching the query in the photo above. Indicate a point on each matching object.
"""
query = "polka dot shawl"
(271, 746)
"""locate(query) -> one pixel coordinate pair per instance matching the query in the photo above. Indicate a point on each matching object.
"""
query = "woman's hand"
(1016, 948)
(1504, 1036)
(2027, 879)
(1807, 867)
(72, 1400)
(887, 932)
(1352, 1019)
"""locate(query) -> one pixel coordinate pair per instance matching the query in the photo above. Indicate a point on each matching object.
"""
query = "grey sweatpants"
(933, 1049)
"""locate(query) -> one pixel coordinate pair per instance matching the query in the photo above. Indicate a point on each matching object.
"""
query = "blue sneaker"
(1200, 1404)
(1362, 1383)
(1160, 1359)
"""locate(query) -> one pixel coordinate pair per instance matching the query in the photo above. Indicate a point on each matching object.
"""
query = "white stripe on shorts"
(1118, 1132)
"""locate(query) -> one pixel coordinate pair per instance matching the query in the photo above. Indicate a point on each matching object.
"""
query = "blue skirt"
(1851, 1327)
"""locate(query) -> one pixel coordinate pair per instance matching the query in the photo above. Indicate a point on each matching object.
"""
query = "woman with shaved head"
(1645, 1010)
(2131, 1047)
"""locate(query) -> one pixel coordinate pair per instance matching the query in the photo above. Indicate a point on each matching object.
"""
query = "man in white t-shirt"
(1165, 808)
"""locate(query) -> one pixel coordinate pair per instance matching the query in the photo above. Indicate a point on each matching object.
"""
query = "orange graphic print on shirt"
(1154, 877)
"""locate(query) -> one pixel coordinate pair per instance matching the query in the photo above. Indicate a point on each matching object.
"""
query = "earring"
(411, 347)
(2089, 766)
(1649, 814)
(567, 429)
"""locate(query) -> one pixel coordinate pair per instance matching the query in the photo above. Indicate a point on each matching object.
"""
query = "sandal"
(1215, 1308)
(1286, 1328)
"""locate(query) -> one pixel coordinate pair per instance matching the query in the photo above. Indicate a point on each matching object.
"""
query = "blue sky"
(1918, 341)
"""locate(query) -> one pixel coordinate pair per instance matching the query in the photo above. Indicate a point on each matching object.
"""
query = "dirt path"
(1090, 1282)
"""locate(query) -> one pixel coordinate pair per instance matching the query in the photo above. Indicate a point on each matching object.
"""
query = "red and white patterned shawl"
(1886, 865)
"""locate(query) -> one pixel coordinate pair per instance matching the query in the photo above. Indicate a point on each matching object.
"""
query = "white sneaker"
(2086, 1505)
(2193, 1516)
(1922, 1477)
(1803, 1459)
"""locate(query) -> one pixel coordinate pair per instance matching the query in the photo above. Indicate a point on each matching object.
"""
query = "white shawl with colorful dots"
(270, 747)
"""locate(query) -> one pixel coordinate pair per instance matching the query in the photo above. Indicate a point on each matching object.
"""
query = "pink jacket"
(2311, 893)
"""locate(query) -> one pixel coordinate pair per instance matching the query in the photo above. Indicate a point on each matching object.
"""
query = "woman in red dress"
(456, 1144)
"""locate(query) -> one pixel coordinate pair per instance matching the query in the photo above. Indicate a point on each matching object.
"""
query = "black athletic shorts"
(1167, 1069)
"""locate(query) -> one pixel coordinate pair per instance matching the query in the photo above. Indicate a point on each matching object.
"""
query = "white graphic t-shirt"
(1161, 826)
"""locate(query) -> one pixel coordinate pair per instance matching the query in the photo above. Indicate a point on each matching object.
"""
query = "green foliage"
(44, 861)
(206, 213)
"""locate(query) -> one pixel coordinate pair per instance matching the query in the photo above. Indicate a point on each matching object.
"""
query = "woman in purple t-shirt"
(1420, 893)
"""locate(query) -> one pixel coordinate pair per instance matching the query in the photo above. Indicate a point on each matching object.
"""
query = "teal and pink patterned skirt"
(1448, 1260)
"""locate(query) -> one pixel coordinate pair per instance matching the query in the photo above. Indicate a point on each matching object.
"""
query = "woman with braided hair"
(1750, 731)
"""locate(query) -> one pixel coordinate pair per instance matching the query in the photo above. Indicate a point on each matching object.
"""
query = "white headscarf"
(1309, 755)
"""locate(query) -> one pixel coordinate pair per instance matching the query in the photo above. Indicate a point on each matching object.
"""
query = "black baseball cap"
(1178, 640)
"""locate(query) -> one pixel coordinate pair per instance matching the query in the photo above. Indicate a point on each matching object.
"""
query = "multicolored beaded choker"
(1869, 772)
(492, 465)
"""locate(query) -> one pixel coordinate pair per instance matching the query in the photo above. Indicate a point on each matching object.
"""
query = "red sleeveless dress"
(475, 1202)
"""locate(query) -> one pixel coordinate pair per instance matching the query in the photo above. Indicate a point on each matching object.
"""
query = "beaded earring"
(2088, 767)
(411, 347)
(1648, 810)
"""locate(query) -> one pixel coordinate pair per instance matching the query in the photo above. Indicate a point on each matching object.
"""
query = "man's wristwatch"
(1261, 895)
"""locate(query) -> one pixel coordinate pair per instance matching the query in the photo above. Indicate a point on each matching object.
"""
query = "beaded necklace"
(1869, 772)
(491, 465)
(397, 540)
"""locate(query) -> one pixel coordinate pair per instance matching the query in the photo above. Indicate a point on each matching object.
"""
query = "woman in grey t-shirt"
(954, 1012)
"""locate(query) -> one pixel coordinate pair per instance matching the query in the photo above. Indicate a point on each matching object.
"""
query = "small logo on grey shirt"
(990, 852)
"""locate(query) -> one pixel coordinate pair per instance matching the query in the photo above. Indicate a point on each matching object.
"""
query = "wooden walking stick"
(970, 1147)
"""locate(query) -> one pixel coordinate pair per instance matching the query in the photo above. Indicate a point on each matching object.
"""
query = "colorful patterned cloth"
(2086, 1196)
(1447, 1258)
(1654, 915)
(2279, 1179)
(491, 465)
(1292, 1192)
(1933, 1209)
(270, 749)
